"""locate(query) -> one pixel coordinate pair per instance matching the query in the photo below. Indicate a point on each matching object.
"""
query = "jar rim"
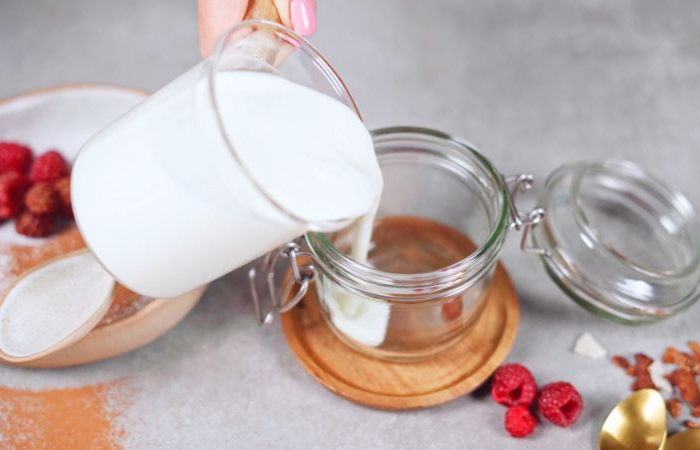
(628, 169)
(348, 271)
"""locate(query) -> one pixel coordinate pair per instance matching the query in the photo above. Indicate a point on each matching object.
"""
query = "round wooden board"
(400, 386)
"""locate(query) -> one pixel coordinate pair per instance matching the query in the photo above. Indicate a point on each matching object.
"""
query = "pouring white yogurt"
(364, 320)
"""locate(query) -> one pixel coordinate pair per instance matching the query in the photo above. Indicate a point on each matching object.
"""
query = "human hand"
(216, 16)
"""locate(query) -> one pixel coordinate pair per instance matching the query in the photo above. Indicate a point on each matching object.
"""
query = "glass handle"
(302, 276)
(520, 221)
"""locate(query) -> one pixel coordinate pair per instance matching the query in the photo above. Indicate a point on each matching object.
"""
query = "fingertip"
(302, 14)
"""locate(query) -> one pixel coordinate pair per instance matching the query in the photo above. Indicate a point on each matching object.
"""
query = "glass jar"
(615, 239)
(427, 175)
(619, 242)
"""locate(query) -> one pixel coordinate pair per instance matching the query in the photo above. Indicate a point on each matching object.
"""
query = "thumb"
(216, 16)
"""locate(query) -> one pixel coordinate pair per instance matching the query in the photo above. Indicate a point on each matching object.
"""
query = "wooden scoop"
(64, 337)
(266, 10)
(262, 10)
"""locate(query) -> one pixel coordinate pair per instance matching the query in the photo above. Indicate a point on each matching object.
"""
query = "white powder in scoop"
(50, 303)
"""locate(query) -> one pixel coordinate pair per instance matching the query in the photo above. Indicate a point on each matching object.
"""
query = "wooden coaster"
(398, 386)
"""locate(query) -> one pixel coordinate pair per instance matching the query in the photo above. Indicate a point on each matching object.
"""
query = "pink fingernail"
(303, 16)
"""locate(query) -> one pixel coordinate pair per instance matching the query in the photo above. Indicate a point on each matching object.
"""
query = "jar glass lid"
(618, 241)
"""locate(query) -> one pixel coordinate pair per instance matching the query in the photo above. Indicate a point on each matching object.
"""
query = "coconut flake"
(656, 372)
(586, 345)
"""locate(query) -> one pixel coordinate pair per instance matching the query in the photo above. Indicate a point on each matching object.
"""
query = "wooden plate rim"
(387, 401)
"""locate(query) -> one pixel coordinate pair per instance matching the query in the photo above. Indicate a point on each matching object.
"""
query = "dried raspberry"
(513, 385)
(560, 403)
(695, 348)
(48, 168)
(691, 424)
(62, 186)
(673, 356)
(643, 380)
(696, 411)
(621, 362)
(42, 199)
(684, 381)
(14, 157)
(675, 407)
(31, 225)
(519, 421)
(13, 185)
(452, 309)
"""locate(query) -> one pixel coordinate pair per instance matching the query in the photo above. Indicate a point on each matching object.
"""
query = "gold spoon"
(687, 440)
(636, 423)
(21, 315)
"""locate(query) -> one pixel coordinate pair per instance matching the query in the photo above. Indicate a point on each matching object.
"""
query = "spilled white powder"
(50, 303)
(657, 372)
(10, 238)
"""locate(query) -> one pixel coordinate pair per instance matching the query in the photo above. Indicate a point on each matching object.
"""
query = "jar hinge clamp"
(518, 184)
(302, 276)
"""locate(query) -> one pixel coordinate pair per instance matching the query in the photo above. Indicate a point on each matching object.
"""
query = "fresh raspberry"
(14, 157)
(48, 168)
(560, 403)
(32, 225)
(513, 385)
(42, 199)
(520, 422)
(452, 309)
(62, 186)
(13, 185)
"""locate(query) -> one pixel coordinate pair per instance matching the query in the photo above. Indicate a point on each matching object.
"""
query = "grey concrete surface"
(533, 84)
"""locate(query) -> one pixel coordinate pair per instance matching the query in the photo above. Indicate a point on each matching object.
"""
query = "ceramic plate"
(63, 118)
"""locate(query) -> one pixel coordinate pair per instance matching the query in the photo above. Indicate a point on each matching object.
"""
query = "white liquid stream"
(363, 320)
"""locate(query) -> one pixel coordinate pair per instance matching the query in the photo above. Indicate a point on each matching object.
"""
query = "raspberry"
(32, 225)
(14, 157)
(42, 199)
(452, 309)
(13, 185)
(520, 422)
(513, 385)
(62, 186)
(48, 168)
(560, 403)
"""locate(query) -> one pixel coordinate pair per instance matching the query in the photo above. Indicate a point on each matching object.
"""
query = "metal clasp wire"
(526, 222)
(302, 276)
